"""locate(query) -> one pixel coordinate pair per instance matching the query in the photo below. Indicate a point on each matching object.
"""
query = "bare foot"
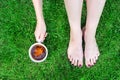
(40, 32)
(75, 52)
(91, 49)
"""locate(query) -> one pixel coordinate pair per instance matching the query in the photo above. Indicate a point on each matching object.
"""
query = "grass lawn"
(17, 25)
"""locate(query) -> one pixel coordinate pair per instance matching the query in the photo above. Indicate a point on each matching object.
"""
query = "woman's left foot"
(91, 49)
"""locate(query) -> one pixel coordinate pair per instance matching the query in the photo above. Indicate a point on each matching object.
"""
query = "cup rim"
(31, 55)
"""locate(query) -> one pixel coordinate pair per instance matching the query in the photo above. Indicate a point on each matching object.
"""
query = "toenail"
(89, 65)
(80, 65)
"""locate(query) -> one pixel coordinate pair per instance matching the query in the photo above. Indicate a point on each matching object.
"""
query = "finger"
(42, 37)
(37, 38)
(46, 34)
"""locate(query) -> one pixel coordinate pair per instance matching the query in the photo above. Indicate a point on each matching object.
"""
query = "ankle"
(89, 36)
(76, 38)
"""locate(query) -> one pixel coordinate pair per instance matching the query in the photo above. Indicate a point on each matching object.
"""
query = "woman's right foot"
(75, 51)
(40, 31)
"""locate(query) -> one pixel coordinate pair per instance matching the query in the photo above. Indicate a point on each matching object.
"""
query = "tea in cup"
(38, 52)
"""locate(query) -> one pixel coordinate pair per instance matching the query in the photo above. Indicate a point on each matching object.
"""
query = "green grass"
(17, 25)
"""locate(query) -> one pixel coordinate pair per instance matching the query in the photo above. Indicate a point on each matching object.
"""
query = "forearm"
(38, 9)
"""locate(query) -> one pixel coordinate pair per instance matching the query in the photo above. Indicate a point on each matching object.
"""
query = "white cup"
(30, 53)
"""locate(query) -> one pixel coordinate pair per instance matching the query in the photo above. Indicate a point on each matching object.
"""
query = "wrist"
(40, 21)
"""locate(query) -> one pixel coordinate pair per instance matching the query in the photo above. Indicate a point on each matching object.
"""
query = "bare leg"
(75, 52)
(94, 11)
(40, 32)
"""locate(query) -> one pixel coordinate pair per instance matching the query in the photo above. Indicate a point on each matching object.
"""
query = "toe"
(75, 62)
(72, 62)
(91, 62)
(98, 54)
(71, 59)
(96, 57)
(80, 63)
(94, 60)
(87, 62)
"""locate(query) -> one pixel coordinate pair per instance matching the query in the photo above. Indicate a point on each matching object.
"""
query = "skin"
(40, 31)
(94, 11)
(74, 9)
(75, 52)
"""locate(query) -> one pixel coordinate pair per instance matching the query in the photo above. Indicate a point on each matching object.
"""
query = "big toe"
(88, 63)
(80, 63)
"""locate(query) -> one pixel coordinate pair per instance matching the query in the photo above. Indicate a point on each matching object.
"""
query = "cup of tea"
(38, 52)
